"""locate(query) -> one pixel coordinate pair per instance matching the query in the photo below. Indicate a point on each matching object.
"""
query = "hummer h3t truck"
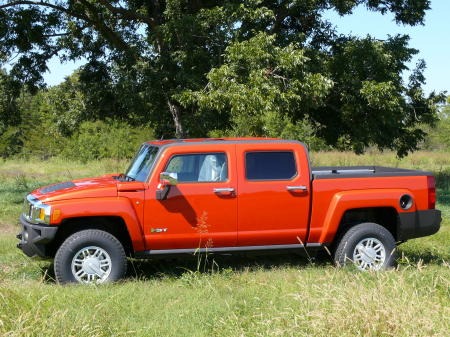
(225, 196)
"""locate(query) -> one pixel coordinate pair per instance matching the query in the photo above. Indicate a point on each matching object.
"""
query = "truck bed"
(336, 172)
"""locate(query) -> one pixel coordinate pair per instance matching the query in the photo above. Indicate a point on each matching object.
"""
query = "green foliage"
(10, 143)
(56, 122)
(64, 106)
(282, 68)
(370, 104)
(267, 91)
(9, 116)
(39, 132)
(112, 139)
(439, 136)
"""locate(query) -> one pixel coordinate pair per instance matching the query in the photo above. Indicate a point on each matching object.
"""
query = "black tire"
(361, 234)
(111, 249)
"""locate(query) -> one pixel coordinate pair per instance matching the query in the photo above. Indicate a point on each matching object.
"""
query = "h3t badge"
(158, 230)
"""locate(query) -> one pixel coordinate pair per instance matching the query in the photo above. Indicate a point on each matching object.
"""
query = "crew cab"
(223, 196)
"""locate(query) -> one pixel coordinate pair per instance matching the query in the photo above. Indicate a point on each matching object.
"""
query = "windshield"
(142, 163)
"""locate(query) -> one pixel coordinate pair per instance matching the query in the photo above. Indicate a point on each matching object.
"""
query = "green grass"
(228, 296)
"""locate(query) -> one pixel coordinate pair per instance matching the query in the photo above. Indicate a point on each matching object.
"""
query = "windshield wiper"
(128, 178)
(124, 177)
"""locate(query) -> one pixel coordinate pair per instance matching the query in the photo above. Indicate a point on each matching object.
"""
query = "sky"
(431, 39)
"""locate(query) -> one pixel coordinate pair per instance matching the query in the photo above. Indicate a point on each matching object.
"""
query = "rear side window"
(199, 167)
(270, 165)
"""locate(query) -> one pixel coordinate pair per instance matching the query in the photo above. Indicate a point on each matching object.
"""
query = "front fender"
(344, 201)
(109, 206)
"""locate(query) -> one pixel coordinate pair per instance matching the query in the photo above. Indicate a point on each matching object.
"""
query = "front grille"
(30, 212)
(27, 208)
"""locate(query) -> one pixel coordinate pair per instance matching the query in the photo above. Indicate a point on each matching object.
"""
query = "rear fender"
(347, 200)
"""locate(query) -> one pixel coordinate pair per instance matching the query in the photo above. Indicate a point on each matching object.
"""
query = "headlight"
(44, 213)
(35, 211)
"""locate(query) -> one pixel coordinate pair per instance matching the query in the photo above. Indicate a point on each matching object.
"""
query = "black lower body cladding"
(417, 224)
(34, 239)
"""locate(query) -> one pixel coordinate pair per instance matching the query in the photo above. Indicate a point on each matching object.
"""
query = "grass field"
(227, 296)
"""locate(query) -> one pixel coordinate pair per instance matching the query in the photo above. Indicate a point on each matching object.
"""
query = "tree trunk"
(175, 111)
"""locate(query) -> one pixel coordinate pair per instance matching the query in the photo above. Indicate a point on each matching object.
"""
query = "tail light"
(431, 192)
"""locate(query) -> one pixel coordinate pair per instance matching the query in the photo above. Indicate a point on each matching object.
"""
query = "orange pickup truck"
(224, 196)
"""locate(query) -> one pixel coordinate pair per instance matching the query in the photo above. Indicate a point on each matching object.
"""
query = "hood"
(81, 188)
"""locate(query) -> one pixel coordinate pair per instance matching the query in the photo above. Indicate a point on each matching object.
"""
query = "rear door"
(274, 193)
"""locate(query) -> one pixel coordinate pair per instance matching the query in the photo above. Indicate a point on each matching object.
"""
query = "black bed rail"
(332, 172)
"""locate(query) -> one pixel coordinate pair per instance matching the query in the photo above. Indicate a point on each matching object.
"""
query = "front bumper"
(417, 224)
(35, 239)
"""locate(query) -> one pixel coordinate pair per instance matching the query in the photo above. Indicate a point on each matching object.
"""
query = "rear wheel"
(368, 246)
(90, 256)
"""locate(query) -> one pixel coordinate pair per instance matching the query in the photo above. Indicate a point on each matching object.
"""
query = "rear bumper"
(417, 224)
(34, 239)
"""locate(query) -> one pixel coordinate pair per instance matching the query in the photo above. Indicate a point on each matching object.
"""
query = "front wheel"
(90, 256)
(368, 246)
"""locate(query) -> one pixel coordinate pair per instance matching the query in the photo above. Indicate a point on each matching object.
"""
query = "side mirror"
(168, 178)
(166, 181)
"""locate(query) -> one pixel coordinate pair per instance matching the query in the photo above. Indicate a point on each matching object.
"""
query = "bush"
(10, 142)
(112, 139)
(439, 136)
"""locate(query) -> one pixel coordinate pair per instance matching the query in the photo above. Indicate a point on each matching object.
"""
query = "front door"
(199, 212)
(274, 194)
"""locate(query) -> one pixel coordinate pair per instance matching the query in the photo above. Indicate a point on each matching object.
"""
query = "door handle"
(229, 190)
(297, 188)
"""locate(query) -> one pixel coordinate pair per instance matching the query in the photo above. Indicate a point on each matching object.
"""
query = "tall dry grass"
(421, 160)
(233, 296)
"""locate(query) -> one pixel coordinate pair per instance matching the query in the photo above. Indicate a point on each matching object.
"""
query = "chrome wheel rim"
(369, 254)
(91, 265)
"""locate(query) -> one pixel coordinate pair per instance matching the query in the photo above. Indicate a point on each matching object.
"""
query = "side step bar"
(152, 252)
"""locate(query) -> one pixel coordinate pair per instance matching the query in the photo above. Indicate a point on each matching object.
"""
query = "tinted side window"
(201, 167)
(270, 165)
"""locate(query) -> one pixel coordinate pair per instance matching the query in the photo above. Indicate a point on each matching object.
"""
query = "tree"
(9, 114)
(264, 90)
(9, 91)
(156, 54)
(439, 135)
